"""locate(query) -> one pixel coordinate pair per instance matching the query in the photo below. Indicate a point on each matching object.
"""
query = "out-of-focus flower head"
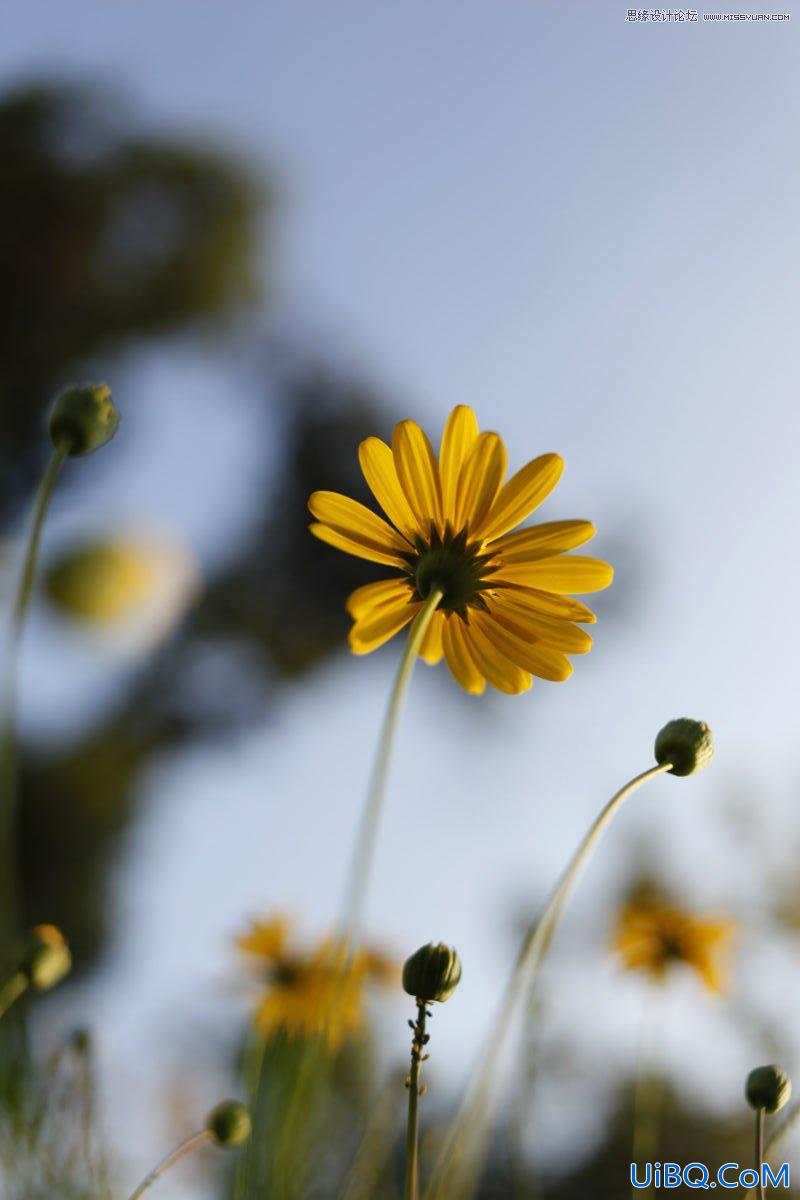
(654, 935)
(137, 585)
(310, 991)
(506, 613)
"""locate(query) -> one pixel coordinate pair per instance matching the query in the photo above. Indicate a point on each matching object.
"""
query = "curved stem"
(12, 991)
(466, 1143)
(778, 1137)
(414, 1093)
(363, 854)
(8, 717)
(175, 1156)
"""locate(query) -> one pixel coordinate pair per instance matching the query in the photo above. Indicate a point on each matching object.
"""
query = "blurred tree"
(106, 237)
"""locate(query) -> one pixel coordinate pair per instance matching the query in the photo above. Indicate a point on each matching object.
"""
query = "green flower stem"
(361, 867)
(8, 715)
(466, 1143)
(12, 991)
(759, 1149)
(778, 1138)
(197, 1139)
(414, 1092)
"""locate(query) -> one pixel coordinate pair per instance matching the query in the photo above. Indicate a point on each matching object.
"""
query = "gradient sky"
(588, 230)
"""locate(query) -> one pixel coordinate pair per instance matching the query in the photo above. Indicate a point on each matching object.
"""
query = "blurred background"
(275, 229)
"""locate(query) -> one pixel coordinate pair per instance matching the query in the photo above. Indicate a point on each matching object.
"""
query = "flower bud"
(768, 1088)
(433, 973)
(687, 744)
(83, 418)
(229, 1123)
(47, 959)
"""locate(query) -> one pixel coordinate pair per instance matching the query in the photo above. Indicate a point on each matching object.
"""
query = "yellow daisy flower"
(653, 937)
(506, 613)
(309, 992)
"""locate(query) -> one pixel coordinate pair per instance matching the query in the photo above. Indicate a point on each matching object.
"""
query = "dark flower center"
(452, 563)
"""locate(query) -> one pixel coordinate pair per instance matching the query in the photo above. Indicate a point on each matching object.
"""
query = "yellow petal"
(431, 649)
(351, 546)
(460, 432)
(481, 475)
(524, 492)
(377, 464)
(459, 660)
(418, 474)
(542, 541)
(380, 624)
(501, 672)
(365, 598)
(534, 657)
(356, 523)
(560, 634)
(564, 573)
(545, 604)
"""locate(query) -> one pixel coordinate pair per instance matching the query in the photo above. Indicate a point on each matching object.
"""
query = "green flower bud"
(229, 1123)
(768, 1088)
(433, 973)
(83, 418)
(47, 959)
(687, 744)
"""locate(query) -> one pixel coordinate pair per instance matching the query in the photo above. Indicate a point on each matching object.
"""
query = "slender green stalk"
(759, 1149)
(364, 852)
(197, 1139)
(8, 714)
(777, 1139)
(12, 991)
(465, 1147)
(414, 1093)
(346, 944)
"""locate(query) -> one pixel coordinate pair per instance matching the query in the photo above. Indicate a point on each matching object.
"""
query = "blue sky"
(586, 229)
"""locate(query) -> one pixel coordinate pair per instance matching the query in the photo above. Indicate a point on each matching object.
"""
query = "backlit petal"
(418, 473)
(431, 649)
(460, 432)
(481, 476)
(356, 522)
(377, 464)
(500, 671)
(380, 624)
(524, 492)
(534, 657)
(365, 598)
(564, 573)
(459, 660)
(542, 541)
(546, 604)
(528, 625)
(351, 546)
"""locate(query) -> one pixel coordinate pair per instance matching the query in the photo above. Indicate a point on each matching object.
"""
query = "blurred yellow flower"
(310, 992)
(506, 613)
(653, 937)
(134, 578)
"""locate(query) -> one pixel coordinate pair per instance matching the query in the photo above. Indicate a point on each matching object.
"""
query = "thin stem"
(779, 1137)
(363, 854)
(12, 991)
(421, 1039)
(466, 1143)
(759, 1148)
(175, 1156)
(8, 717)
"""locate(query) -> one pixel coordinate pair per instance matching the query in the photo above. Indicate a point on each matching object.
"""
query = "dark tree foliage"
(107, 236)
